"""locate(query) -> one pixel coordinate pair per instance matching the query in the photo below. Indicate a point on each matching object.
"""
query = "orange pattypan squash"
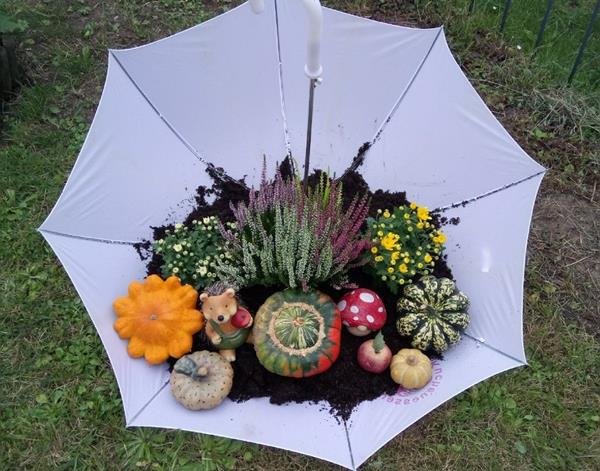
(159, 318)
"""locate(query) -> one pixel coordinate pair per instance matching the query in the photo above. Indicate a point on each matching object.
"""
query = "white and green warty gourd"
(433, 313)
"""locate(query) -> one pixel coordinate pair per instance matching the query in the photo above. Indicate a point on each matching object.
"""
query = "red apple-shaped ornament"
(362, 311)
(242, 319)
(374, 355)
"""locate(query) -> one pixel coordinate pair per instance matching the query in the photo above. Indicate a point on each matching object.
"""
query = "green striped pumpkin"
(433, 313)
(297, 334)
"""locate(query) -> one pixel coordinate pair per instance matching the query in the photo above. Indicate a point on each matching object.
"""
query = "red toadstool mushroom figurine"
(362, 311)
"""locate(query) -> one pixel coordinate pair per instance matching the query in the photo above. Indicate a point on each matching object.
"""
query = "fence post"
(507, 5)
(540, 35)
(584, 43)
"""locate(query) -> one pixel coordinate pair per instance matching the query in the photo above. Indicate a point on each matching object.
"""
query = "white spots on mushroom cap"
(355, 318)
(342, 305)
(370, 318)
(366, 297)
(354, 309)
(380, 309)
(362, 328)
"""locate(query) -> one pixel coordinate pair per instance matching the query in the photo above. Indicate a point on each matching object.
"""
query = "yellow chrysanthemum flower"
(427, 258)
(440, 238)
(419, 225)
(423, 213)
(373, 249)
(386, 214)
(389, 241)
(413, 205)
(380, 233)
(395, 256)
(403, 268)
(379, 258)
(390, 270)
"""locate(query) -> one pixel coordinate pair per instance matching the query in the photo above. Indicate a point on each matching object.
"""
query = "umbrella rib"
(442, 209)
(215, 170)
(286, 132)
(349, 445)
(497, 350)
(143, 408)
(362, 152)
(407, 88)
(92, 239)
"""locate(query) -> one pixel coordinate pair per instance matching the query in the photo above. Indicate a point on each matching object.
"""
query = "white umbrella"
(231, 89)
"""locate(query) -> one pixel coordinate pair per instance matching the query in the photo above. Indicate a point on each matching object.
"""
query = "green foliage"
(192, 254)
(9, 24)
(284, 236)
(406, 244)
(479, 33)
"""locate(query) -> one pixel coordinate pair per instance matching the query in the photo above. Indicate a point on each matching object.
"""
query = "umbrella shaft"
(311, 99)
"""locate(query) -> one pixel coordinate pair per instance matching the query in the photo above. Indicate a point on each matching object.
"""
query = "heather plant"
(191, 253)
(286, 236)
(406, 243)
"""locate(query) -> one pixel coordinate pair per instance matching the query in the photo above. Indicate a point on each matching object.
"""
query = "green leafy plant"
(8, 24)
(286, 236)
(191, 253)
(406, 243)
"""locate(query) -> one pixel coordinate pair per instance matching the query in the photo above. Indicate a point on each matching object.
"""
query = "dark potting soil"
(345, 384)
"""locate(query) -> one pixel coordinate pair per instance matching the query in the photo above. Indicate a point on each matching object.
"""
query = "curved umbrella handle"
(313, 67)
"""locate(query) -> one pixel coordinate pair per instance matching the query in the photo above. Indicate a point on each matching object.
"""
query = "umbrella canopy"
(232, 89)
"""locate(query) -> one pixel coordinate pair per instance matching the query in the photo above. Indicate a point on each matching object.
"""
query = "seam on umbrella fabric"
(472, 200)
(497, 350)
(286, 132)
(92, 239)
(177, 134)
(349, 445)
(143, 408)
(407, 88)
(463, 203)
(362, 152)
(470, 384)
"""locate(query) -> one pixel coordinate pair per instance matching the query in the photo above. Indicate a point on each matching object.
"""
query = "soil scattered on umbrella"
(345, 384)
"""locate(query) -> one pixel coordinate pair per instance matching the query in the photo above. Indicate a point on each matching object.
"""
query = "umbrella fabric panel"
(100, 273)
(374, 423)
(486, 252)
(132, 172)
(217, 84)
(304, 428)
(366, 67)
(442, 144)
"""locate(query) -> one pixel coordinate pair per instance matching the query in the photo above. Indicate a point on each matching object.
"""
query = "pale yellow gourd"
(411, 369)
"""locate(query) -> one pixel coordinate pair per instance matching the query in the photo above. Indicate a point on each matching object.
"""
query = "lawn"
(60, 405)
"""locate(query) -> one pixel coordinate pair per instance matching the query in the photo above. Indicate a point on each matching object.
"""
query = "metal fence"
(540, 36)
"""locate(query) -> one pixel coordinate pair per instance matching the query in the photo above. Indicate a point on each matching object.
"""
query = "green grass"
(60, 406)
(562, 37)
